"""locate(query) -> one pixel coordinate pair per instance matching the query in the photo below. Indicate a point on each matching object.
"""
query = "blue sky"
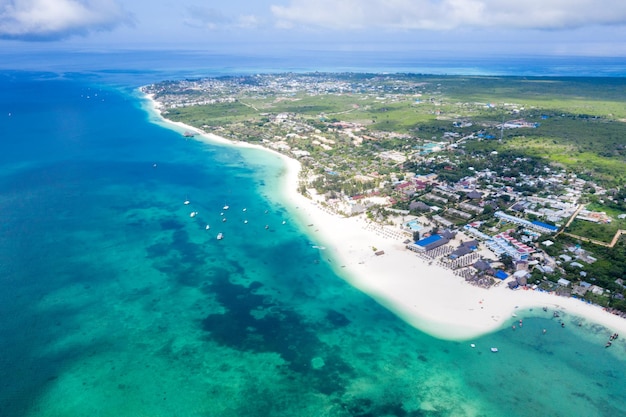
(555, 27)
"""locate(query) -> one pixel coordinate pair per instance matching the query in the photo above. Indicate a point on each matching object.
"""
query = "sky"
(466, 27)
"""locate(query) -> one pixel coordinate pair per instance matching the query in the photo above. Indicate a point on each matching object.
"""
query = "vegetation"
(363, 134)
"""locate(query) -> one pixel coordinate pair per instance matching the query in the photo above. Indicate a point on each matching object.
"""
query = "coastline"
(428, 297)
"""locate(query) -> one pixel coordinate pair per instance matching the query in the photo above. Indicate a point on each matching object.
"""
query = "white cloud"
(214, 19)
(450, 14)
(56, 19)
(248, 22)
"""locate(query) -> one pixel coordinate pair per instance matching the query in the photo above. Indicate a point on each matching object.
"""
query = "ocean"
(114, 301)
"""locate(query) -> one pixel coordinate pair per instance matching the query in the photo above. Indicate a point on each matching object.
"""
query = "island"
(453, 201)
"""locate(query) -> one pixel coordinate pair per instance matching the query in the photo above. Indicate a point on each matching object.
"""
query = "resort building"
(502, 243)
(428, 243)
(535, 225)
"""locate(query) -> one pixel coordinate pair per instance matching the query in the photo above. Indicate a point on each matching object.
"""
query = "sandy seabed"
(429, 297)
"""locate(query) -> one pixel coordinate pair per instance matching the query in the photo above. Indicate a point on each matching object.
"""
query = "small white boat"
(193, 214)
(284, 222)
(224, 219)
(225, 207)
(207, 227)
(186, 202)
(220, 236)
(245, 222)
(245, 209)
(472, 345)
(494, 349)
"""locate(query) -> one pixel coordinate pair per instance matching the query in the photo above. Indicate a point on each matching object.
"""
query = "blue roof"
(501, 274)
(546, 225)
(428, 240)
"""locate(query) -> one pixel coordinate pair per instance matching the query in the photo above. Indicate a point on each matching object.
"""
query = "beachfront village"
(445, 184)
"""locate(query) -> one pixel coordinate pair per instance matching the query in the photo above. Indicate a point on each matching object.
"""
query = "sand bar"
(428, 297)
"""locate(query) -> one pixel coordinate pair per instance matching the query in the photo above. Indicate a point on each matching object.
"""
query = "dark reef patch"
(279, 329)
(363, 407)
(170, 224)
(337, 319)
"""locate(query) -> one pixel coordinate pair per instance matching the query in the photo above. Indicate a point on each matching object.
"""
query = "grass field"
(581, 121)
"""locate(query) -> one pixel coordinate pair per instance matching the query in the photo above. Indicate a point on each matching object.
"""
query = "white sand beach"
(431, 298)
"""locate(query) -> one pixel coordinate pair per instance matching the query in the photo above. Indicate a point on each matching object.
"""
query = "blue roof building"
(501, 274)
(545, 226)
(428, 243)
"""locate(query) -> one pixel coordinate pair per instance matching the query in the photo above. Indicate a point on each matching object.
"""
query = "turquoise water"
(115, 302)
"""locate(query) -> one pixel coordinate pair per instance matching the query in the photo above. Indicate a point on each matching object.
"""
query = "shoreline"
(428, 297)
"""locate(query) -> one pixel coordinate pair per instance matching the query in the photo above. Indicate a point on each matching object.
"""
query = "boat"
(245, 222)
(189, 134)
(186, 202)
(226, 207)
(220, 236)
(193, 214)
(494, 349)
(472, 345)
(207, 227)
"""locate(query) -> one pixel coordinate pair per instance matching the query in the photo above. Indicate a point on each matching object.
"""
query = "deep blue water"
(115, 302)
(143, 67)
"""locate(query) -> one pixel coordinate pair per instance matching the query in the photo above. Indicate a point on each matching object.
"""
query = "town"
(496, 190)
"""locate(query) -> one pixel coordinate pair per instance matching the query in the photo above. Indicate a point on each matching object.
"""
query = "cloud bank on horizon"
(58, 19)
(450, 14)
(44, 20)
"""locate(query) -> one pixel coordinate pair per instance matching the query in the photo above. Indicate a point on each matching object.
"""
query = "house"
(471, 244)
(482, 265)
(419, 206)
(596, 290)
(563, 282)
(459, 252)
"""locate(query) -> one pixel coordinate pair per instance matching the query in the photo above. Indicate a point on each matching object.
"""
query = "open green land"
(581, 122)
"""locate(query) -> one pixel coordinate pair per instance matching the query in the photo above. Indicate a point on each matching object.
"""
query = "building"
(535, 225)
(428, 243)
